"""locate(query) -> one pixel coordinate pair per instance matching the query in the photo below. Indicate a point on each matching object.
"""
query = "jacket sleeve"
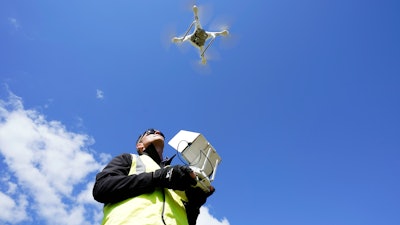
(113, 184)
(192, 212)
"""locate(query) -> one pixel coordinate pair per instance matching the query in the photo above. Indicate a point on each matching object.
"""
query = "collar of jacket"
(152, 153)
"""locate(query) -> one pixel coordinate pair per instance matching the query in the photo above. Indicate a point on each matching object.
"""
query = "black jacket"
(114, 185)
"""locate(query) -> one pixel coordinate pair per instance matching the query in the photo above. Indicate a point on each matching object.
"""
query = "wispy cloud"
(99, 94)
(47, 172)
(14, 23)
(17, 28)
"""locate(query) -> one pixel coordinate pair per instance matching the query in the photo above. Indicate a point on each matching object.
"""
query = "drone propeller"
(200, 68)
(167, 34)
(205, 11)
(224, 23)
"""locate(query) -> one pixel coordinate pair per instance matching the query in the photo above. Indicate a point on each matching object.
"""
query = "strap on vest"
(139, 165)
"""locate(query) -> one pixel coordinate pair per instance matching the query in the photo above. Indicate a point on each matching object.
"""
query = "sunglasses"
(152, 131)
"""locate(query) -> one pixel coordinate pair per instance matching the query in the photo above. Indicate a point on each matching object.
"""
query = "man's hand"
(175, 177)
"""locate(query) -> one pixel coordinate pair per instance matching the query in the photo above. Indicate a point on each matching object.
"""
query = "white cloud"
(47, 172)
(99, 94)
(47, 164)
(13, 210)
(205, 218)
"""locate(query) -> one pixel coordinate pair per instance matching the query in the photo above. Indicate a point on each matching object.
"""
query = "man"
(143, 189)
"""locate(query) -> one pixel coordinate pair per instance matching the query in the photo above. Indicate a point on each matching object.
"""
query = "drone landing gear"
(214, 35)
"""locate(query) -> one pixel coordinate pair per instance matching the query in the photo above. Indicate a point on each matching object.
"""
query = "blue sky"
(301, 102)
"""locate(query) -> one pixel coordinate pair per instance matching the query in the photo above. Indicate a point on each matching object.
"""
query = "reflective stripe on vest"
(146, 208)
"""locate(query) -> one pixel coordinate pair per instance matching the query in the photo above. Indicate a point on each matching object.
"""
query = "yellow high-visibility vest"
(163, 206)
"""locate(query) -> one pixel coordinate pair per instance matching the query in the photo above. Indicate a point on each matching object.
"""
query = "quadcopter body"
(199, 37)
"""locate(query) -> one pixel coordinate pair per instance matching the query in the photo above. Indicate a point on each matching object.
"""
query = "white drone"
(199, 36)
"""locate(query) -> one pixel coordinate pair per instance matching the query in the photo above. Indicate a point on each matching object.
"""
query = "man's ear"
(140, 147)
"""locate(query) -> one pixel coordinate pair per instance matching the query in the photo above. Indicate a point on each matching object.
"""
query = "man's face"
(154, 137)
